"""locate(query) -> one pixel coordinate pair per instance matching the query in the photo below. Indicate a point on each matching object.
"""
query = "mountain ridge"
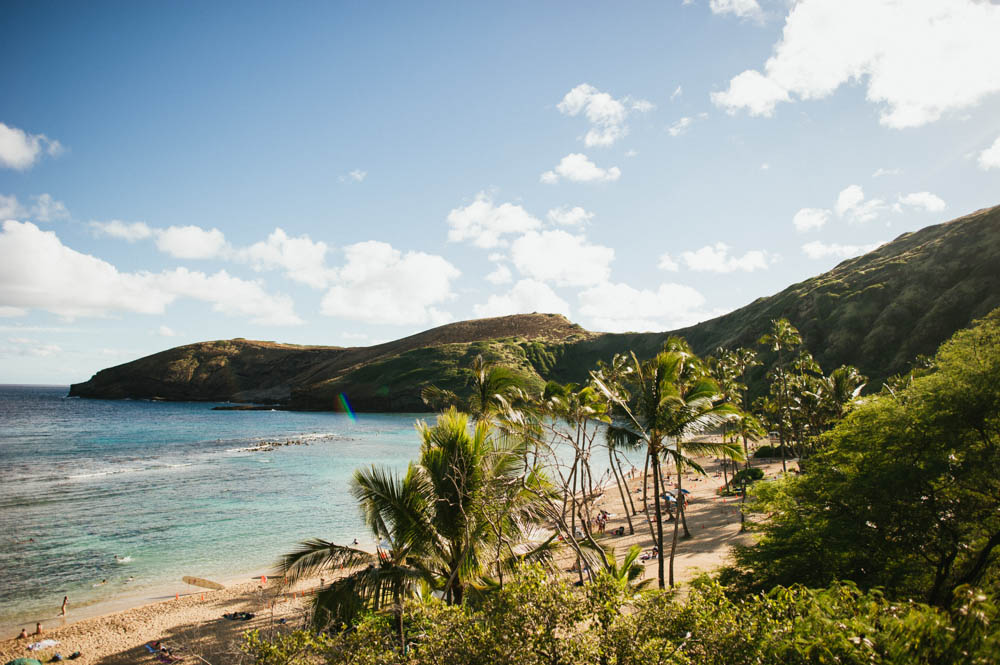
(877, 311)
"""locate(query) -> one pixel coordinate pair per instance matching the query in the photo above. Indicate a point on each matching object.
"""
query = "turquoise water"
(170, 488)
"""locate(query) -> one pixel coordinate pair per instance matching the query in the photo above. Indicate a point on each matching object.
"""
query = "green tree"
(904, 494)
(782, 339)
(664, 401)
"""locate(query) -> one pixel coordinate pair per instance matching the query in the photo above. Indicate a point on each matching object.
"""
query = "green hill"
(877, 312)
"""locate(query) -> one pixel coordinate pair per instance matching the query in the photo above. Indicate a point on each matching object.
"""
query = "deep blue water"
(172, 487)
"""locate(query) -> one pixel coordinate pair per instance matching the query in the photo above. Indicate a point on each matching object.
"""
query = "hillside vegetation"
(877, 312)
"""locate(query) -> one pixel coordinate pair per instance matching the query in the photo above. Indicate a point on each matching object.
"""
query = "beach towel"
(44, 644)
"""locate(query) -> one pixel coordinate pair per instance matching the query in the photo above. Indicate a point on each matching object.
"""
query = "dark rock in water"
(249, 407)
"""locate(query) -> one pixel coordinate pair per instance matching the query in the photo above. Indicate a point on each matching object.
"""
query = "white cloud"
(47, 209)
(716, 258)
(631, 153)
(764, 166)
(190, 242)
(302, 259)
(752, 91)
(808, 219)
(678, 91)
(485, 223)
(524, 297)
(620, 307)
(919, 59)
(230, 295)
(380, 284)
(29, 347)
(606, 114)
(851, 204)
(680, 126)
(501, 275)
(41, 273)
(357, 175)
(560, 257)
(741, 8)
(926, 200)
(990, 158)
(566, 216)
(577, 168)
(880, 172)
(819, 250)
(10, 208)
(164, 331)
(130, 231)
(667, 263)
(20, 150)
(848, 199)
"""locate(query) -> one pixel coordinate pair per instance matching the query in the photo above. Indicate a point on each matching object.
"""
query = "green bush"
(751, 474)
(536, 620)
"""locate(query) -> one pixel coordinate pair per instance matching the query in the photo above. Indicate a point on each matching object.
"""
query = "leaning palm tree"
(436, 525)
(667, 399)
(394, 510)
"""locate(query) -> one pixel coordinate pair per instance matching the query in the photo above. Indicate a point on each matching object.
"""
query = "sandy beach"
(195, 624)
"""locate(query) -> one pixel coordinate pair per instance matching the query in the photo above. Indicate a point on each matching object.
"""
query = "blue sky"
(348, 173)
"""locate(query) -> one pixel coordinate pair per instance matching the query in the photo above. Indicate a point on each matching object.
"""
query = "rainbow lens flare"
(345, 407)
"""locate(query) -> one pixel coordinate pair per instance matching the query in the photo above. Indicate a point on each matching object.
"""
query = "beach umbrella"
(24, 661)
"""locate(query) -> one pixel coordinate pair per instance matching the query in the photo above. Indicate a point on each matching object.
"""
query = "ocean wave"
(97, 474)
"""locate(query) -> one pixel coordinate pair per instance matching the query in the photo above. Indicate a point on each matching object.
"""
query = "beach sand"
(194, 621)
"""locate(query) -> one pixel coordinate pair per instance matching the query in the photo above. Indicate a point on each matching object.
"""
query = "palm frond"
(313, 556)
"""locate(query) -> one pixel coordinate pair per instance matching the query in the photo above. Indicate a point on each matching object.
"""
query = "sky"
(347, 173)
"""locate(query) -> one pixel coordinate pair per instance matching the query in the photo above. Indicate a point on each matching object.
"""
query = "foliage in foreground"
(534, 619)
(904, 494)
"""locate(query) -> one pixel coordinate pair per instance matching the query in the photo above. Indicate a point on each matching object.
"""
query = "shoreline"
(194, 620)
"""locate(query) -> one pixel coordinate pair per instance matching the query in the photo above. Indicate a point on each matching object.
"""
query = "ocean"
(112, 502)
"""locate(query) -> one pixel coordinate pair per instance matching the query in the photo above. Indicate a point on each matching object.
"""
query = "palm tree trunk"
(398, 611)
(645, 482)
(572, 517)
(659, 523)
(746, 449)
(631, 505)
(680, 509)
(619, 481)
(680, 496)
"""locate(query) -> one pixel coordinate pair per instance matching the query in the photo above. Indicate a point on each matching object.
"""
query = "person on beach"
(38, 629)
(23, 635)
(65, 601)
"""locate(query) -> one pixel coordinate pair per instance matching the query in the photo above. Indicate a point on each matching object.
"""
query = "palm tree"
(627, 575)
(730, 371)
(435, 525)
(393, 509)
(496, 392)
(782, 338)
(667, 398)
